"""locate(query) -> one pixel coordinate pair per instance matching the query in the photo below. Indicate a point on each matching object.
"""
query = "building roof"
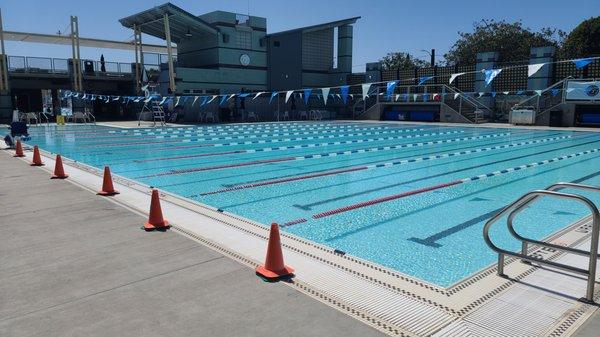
(321, 26)
(180, 22)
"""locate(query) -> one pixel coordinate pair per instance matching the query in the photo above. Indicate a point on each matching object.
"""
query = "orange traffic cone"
(274, 268)
(107, 184)
(19, 149)
(59, 172)
(37, 159)
(155, 220)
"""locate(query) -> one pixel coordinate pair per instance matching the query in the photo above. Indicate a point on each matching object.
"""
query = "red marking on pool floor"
(211, 168)
(384, 199)
(192, 156)
(285, 180)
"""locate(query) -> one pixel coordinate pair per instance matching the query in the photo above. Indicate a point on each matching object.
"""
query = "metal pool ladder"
(520, 204)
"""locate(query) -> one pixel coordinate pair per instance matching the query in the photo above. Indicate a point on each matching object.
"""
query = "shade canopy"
(181, 23)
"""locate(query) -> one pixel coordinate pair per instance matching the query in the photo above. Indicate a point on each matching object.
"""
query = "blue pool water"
(307, 176)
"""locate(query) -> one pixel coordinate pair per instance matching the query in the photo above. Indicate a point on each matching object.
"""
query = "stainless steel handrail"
(526, 199)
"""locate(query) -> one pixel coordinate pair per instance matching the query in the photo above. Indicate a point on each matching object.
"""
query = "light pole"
(431, 55)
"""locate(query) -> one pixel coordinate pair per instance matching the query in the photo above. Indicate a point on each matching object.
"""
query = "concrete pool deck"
(394, 302)
(74, 264)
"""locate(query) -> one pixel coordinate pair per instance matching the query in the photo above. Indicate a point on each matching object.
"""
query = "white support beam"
(169, 54)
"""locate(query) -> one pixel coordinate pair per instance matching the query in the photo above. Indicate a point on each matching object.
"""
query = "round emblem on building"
(245, 60)
(592, 90)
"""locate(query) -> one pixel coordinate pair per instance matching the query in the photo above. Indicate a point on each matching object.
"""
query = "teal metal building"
(222, 52)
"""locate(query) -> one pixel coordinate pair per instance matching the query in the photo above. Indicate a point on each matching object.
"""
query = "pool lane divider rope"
(448, 184)
(309, 156)
(303, 146)
(242, 132)
(260, 141)
(380, 165)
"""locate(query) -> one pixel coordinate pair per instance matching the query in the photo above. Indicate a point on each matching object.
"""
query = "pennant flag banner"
(307, 95)
(344, 93)
(454, 76)
(163, 101)
(415, 97)
(211, 99)
(554, 92)
(177, 101)
(244, 95)
(257, 94)
(204, 100)
(195, 99)
(288, 94)
(424, 79)
(538, 92)
(272, 96)
(365, 90)
(534, 68)
(505, 92)
(117, 98)
(480, 94)
(582, 63)
(184, 99)
(490, 74)
(493, 94)
(456, 95)
(223, 99)
(425, 97)
(325, 92)
(390, 88)
(520, 92)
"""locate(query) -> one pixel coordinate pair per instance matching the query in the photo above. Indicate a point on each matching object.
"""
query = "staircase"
(470, 109)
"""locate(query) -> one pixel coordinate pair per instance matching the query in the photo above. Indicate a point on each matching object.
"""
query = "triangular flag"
(258, 94)
(415, 97)
(307, 95)
(538, 92)
(177, 101)
(273, 94)
(211, 99)
(365, 90)
(581, 63)
(554, 92)
(519, 92)
(163, 101)
(344, 93)
(480, 94)
(490, 74)
(454, 76)
(456, 95)
(223, 99)
(505, 92)
(195, 99)
(325, 92)
(288, 94)
(390, 88)
(117, 98)
(424, 79)
(534, 68)
(493, 94)
(397, 97)
(204, 100)
(570, 89)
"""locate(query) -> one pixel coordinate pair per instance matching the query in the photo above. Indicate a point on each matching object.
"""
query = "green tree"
(584, 40)
(401, 61)
(511, 40)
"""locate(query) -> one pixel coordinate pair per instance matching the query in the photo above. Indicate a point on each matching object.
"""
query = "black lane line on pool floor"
(326, 201)
(437, 245)
(370, 155)
(431, 240)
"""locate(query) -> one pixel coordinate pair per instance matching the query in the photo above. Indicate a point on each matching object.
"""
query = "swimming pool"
(413, 198)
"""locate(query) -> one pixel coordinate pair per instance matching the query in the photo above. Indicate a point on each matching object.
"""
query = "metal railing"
(520, 204)
(46, 65)
(469, 107)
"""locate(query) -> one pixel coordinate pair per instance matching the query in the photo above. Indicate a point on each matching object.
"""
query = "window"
(244, 40)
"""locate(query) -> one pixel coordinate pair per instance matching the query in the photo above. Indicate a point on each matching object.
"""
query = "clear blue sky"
(386, 25)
